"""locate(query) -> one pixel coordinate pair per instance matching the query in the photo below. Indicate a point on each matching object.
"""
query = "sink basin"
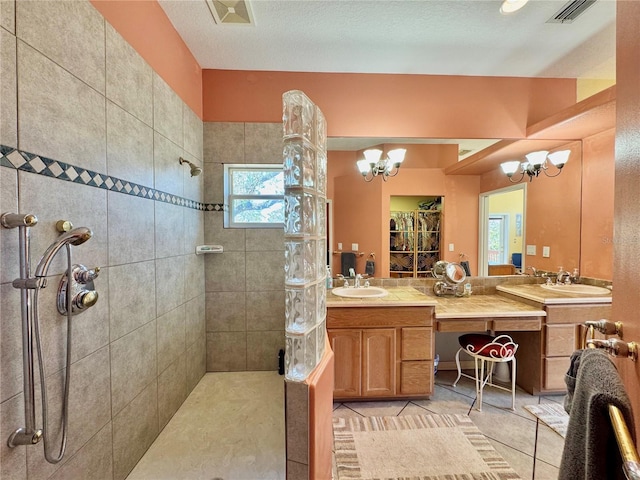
(578, 289)
(360, 292)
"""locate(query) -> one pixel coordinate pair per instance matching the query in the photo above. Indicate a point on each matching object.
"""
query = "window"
(254, 195)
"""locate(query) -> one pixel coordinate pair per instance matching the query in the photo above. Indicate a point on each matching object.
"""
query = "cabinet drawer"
(416, 343)
(455, 325)
(577, 313)
(416, 377)
(560, 340)
(554, 371)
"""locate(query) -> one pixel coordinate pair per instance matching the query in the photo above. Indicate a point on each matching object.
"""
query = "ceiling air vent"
(230, 12)
(570, 11)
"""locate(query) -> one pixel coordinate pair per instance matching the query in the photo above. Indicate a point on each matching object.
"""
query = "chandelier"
(536, 162)
(374, 165)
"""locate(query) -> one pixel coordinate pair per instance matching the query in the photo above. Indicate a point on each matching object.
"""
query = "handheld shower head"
(195, 170)
(77, 236)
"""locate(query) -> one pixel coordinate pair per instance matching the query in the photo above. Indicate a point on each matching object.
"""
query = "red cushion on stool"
(473, 342)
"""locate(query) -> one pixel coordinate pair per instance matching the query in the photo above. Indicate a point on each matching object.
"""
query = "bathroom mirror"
(554, 216)
(454, 273)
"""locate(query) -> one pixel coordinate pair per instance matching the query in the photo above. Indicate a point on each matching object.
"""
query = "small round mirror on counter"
(454, 273)
(439, 269)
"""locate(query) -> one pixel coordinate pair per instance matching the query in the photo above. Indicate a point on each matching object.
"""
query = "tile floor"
(232, 427)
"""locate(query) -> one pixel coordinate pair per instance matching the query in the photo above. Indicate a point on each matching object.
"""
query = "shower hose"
(43, 382)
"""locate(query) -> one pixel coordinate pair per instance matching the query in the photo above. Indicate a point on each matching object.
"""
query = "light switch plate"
(340, 246)
(531, 249)
(546, 251)
(354, 247)
(451, 247)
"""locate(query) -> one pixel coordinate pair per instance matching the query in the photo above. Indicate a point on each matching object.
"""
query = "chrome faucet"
(358, 278)
(534, 272)
(563, 276)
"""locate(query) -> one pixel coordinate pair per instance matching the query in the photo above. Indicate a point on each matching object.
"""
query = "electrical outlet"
(531, 249)
(546, 252)
(354, 247)
(340, 246)
(451, 247)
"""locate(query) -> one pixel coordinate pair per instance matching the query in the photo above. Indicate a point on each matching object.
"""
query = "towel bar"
(630, 460)
(628, 452)
(357, 254)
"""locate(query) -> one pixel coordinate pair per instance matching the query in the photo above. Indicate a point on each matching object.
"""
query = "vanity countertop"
(476, 306)
(398, 297)
(548, 297)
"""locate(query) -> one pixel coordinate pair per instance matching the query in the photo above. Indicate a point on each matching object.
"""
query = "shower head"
(77, 236)
(195, 170)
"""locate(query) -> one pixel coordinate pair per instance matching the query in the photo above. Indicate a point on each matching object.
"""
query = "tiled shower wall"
(74, 91)
(244, 285)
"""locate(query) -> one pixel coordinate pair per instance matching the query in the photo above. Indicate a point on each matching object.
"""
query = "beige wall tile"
(11, 342)
(261, 239)
(133, 365)
(223, 142)
(193, 133)
(265, 310)
(226, 312)
(194, 320)
(232, 239)
(297, 424)
(172, 390)
(134, 430)
(262, 350)
(169, 228)
(131, 229)
(297, 471)
(265, 271)
(40, 25)
(132, 297)
(13, 461)
(171, 337)
(169, 284)
(94, 460)
(8, 15)
(196, 362)
(84, 206)
(226, 352)
(193, 276)
(225, 272)
(263, 143)
(129, 77)
(89, 408)
(167, 111)
(213, 183)
(61, 117)
(8, 88)
(193, 230)
(9, 259)
(168, 174)
(129, 147)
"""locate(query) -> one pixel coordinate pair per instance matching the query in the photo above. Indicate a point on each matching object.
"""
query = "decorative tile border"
(28, 162)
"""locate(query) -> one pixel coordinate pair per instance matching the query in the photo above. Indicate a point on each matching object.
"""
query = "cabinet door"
(347, 347)
(379, 362)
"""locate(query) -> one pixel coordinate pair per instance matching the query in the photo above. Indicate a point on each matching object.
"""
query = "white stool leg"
(479, 382)
(458, 365)
(513, 383)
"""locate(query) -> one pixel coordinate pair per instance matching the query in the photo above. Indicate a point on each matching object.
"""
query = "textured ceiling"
(450, 37)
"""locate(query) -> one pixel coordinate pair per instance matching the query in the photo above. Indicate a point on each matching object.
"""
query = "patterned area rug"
(416, 447)
(553, 414)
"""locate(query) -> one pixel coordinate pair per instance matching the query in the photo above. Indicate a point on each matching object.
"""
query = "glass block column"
(305, 182)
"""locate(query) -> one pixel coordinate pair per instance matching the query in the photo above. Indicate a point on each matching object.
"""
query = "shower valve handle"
(86, 299)
(83, 275)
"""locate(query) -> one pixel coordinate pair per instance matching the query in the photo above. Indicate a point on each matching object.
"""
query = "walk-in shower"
(75, 294)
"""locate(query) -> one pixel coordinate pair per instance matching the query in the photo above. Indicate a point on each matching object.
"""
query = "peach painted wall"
(146, 27)
(598, 170)
(626, 295)
(391, 105)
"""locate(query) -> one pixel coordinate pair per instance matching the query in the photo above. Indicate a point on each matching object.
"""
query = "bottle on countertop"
(329, 278)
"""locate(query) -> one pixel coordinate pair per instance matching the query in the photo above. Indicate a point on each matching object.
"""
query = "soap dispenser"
(329, 278)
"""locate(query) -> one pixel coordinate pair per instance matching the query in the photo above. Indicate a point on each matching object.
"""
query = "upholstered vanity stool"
(488, 349)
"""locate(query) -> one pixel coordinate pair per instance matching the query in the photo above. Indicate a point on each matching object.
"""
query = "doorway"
(502, 232)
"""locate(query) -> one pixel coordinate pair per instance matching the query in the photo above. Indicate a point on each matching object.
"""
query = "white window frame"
(229, 196)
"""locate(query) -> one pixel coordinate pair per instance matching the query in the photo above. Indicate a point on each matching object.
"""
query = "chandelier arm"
(519, 178)
(554, 175)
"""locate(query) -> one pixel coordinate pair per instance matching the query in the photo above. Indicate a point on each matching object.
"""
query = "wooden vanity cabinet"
(382, 352)
(544, 356)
